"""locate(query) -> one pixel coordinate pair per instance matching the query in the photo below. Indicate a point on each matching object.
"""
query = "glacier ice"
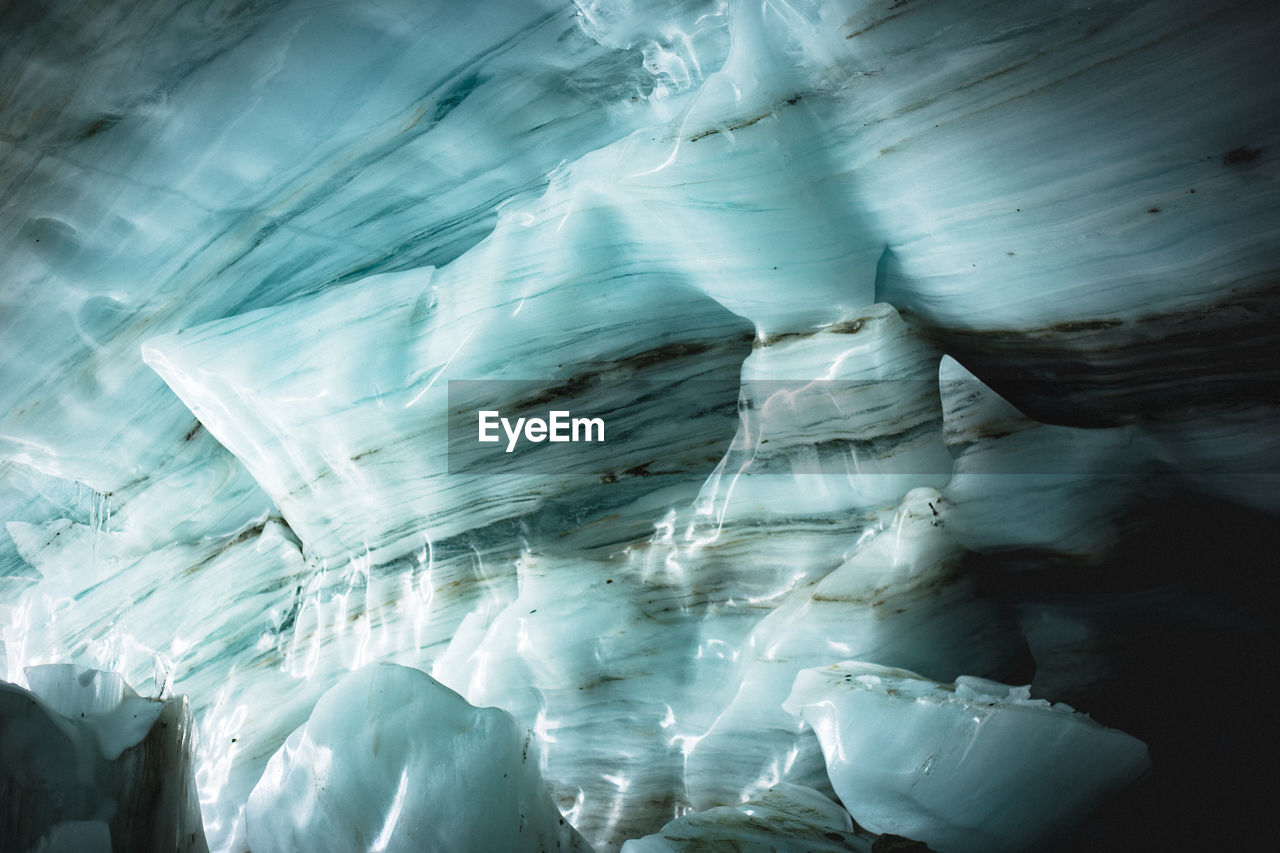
(942, 331)
(901, 598)
(391, 760)
(87, 764)
(974, 765)
(783, 818)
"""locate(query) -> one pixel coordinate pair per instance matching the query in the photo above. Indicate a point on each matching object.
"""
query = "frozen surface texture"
(970, 766)
(936, 334)
(392, 760)
(785, 819)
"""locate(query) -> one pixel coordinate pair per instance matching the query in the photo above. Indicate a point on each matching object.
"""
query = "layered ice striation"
(785, 818)
(935, 336)
(902, 598)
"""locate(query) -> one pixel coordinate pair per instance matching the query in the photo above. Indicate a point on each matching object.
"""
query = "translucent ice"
(391, 760)
(971, 766)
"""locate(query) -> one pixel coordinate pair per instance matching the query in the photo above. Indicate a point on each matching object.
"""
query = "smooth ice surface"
(971, 766)
(391, 760)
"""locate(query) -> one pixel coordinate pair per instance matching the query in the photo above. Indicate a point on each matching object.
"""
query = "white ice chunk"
(975, 766)
(392, 760)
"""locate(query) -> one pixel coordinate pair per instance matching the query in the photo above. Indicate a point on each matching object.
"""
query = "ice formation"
(784, 818)
(392, 760)
(931, 335)
(86, 764)
(970, 766)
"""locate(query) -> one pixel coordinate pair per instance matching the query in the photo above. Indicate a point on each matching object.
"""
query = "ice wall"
(984, 292)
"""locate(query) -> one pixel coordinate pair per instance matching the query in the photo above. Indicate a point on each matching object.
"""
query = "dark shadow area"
(1173, 639)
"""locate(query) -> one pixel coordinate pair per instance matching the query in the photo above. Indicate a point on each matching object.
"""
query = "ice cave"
(642, 426)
